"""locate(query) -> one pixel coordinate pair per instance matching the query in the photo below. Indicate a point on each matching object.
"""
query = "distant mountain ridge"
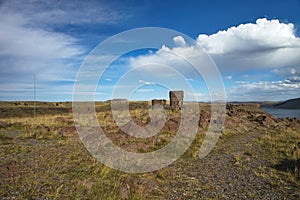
(289, 104)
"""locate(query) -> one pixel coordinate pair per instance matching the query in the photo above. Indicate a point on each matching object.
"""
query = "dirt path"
(230, 171)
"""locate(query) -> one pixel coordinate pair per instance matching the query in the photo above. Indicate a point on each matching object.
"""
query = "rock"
(3, 124)
(47, 128)
(61, 119)
(9, 169)
(204, 119)
(229, 106)
(68, 131)
(260, 119)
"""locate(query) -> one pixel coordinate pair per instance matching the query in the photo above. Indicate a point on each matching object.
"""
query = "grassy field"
(257, 157)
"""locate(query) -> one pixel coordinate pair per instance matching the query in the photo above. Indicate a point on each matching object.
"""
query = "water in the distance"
(283, 113)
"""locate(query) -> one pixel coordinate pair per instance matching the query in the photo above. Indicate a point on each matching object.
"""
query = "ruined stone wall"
(161, 102)
(176, 99)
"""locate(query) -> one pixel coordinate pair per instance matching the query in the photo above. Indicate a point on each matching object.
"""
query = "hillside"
(289, 104)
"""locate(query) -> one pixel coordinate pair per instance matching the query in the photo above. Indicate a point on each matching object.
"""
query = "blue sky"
(255, 45)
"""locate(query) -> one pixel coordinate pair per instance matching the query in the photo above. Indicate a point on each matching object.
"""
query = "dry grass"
(40, 160)
(283, 151)
(43, 158)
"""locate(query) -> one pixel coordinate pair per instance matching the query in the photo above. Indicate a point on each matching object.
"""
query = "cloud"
(266, 45)
(169, 62)
(147, 82)
(64, 12)
(262, 90)
(18, 40)
(293, 71)
(145, 90)
(264, 35)
(293, 79)
(35, 39)
(25, 51)
(196, 96)
(179, 41)
(228, 77)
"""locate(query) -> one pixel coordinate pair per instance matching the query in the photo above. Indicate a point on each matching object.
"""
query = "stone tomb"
(176, 99)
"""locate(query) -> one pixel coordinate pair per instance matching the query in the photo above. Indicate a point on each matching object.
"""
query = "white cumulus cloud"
(179, 41)
(266, 45)
(264, 35)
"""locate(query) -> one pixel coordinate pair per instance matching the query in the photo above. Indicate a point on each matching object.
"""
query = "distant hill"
(266, 104)
(289, 104)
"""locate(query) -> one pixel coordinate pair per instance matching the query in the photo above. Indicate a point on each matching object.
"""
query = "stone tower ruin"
(176, 99)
